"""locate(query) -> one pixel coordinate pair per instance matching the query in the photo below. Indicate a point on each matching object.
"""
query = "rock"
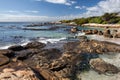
(116, 35)
(20, 74)
(74, 30)
(3, 60)
(88, 32)
(8, 70)
(16, 48)
(95, 31)
(100, 33)
(82, 38)
(92, 46)
(24, 54)
(35, 45)
(57, 65)
(107, 33)
(7, 53)
(102, 67)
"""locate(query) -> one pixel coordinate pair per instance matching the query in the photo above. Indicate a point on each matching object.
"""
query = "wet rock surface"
(40, 63)
(35, 45)
(16, 48)
(92, 46)
(102, 67)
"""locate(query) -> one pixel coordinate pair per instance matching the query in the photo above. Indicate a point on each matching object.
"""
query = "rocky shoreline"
(107, 32)
(36, 62)
(102, 25)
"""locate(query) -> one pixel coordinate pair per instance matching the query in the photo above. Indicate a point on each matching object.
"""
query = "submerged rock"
(103, 67)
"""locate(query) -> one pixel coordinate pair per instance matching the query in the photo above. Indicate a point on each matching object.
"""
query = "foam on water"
(22, 43)
(80, 34)
(44, 40)
(7, 46)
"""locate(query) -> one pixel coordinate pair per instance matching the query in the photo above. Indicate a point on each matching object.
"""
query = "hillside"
(107, 18)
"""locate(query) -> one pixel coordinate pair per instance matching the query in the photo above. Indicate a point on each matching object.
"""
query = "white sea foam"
(80, 34)
(22, 43)
(44, 40)
(6, 46)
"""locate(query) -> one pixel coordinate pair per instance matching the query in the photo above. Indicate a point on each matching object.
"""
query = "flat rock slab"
(20, 74)
(103, 67)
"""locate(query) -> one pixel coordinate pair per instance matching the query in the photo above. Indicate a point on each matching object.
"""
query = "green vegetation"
(107, 18)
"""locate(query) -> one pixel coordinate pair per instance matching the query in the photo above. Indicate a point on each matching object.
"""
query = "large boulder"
(16, 48)
(74, 29)
(100, 33)
(107, 33)
(24, 54)
(88, 32)
(35, 45)
(103, 67)
(95, 31)
(116, 35)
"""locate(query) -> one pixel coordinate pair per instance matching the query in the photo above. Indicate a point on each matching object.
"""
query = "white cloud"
(29, 11)
(105, 6)
(80, 7)
(31, 18)
(65, 2)
(99, 9)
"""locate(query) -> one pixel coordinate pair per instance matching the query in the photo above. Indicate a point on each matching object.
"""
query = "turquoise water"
(15, 33)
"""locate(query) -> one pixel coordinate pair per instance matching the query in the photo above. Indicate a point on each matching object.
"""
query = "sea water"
(14, 33)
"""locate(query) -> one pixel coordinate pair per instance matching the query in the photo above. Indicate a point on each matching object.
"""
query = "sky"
(53, 10)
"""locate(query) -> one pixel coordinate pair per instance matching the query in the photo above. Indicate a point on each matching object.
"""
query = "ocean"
(16, 33)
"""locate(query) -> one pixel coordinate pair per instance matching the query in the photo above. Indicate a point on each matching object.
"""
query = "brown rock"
(88, 32)
(7, 52)
(3, 60)
(20, 74)
(100, 33)
(95, 31)
(103, 67)
(74, 30)
(107, 33)
(35, 45)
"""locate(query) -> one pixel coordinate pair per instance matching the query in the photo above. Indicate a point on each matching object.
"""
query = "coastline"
(102, 25)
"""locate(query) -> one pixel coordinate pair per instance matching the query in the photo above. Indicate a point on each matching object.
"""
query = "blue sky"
(51, 10)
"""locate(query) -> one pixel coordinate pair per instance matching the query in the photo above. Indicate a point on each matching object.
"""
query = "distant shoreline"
(102, 25)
